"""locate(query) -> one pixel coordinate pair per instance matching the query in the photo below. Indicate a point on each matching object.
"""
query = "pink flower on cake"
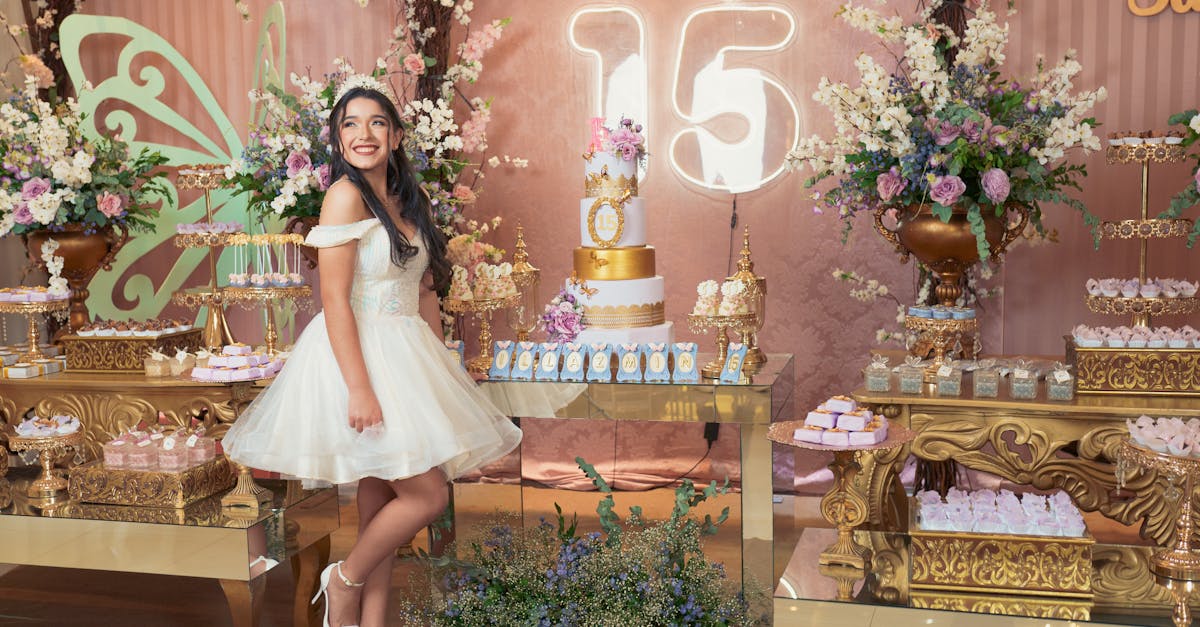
(111, 205)
(414, 64)
(995, 185)
(34, 187)
(889, 184)
(464, 194)
(296, 162)
(946, 190)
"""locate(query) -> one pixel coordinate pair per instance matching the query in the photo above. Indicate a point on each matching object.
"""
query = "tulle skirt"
(434, 415)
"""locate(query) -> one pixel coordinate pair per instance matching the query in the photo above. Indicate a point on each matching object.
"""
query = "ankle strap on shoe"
(346, 580)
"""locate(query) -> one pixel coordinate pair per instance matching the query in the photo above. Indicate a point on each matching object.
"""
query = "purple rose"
(34, 187)
(995, 185)
(890, 184)
(323, 176)
(946, 133)
(947, 189)
(296, 161)
(972, 130)
(629, 152)
(23, 215)
(998, 134)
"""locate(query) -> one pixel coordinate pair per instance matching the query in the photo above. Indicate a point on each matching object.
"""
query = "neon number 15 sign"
(737, 123)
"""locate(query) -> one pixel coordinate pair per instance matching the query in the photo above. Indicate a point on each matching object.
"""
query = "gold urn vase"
(949, 248)
(83, 255)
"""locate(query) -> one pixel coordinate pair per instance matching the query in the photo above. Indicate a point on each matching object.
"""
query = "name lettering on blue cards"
(599, 363)
(524, 361)
(547, 368)
(629, 363)
(656, 363)
(574, 358)
(732, 372)
(686, 370)
(502, 353)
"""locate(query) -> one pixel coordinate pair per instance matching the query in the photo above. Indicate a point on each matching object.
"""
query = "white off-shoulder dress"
(434, 415)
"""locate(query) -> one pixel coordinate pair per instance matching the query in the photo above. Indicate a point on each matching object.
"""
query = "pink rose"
(946, 133)
(111, 205)
(972, 130)
(414, 64)
(296, 161)
(946, 190)
(323, 176)
(890, 184)
(324, 134)
(1198, 179)
(995, 185)
(23, 215)
(464, 194)
(34, 187)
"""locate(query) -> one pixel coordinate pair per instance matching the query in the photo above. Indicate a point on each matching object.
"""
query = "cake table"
(844, 506)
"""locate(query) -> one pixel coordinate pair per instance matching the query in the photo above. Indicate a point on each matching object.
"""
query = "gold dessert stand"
(31, 311)
(205, 177)
(739, 323)
(1181, 562)
(265, 297)
(844, 507)
(942, 336)
(49, 448)
(482, 308)
(245, 492)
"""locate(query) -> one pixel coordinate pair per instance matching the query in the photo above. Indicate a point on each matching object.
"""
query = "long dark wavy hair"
(401, 182)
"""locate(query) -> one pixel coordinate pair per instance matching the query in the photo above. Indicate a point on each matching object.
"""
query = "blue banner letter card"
(502, 353)
(573, 358)
(629, 363)
(524, 361)
(599, 363)
(732, 372)
(656, 363)
(686, 370)
(547, 368)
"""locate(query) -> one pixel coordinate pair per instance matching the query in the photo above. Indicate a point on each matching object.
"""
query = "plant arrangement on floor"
(636, 572)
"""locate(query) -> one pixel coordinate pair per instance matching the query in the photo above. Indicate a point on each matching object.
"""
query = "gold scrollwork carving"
(1061, 609)
(1115, 370)
(123, 354)
(1005, 565)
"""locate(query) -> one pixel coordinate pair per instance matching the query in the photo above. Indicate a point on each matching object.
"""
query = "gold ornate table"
(753, 406)
(1048, 445)
(201, 540)
(109, 403)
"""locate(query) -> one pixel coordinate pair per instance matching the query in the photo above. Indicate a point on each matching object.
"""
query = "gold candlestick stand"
(702, 324)
(523, 316)
(206, 177)
(1181, 562)
(482, 308)
(48, 449)
(31, 311)
(756, 291)
(265, 297)
(844, 507)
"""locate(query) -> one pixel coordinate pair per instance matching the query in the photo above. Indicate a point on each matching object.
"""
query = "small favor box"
(911, 376)
(1060, 385)
(949, 380)
(986, 380)
(686, 370)
(8, 359)
(736, 358)
(524, 361)
(629, 363)
(22, 370)
(656, 363)
(547, 365)
(574, 356)
(1023, 383)
(877, 375)
(502, 358)
(599, 363)
(456, 347)
(93, 483)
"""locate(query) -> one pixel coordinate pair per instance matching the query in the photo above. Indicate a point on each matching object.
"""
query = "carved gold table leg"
(306, 566)
(246, 493)
(845, 576)
(845, 508)
(1181, 562)
(245, 600)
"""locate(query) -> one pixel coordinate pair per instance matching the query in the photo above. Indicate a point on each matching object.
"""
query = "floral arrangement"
(52, 176)
(634, 573)
(285, 165)
(54, 266)
(626, 141)
(467, 250)
(1190, 196)
(562, 318)
(945, 128)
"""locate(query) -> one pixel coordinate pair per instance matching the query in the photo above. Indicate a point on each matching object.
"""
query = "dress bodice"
(380, 286)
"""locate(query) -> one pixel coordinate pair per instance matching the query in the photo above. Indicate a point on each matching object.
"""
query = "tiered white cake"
(614, 278)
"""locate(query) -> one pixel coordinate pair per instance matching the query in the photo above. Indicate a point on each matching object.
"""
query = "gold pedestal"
(247, 493)
(31, 311)
(50, 482)
(1181, 562)
(941, 336)
(482, 309)
(739, 323)
(265, 297)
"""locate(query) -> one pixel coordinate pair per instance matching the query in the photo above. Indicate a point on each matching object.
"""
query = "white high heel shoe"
(323, 590)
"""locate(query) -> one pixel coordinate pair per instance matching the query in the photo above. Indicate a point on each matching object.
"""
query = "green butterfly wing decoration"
(144, 94)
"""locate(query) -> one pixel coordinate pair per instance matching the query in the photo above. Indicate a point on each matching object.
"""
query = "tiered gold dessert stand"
(739, 323)
(265, 297)
(48, 449)
(216, 330)
(1172, 371)
(31, 310)
(482, 308)
(845, 506)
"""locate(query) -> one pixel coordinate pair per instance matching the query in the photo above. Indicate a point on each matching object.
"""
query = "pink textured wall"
(542, 100)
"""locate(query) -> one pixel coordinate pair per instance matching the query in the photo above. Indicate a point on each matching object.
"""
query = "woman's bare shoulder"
(343, 204)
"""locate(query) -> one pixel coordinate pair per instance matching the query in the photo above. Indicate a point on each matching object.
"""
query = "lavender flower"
(995, 185)
(890, 184)
(946, 190)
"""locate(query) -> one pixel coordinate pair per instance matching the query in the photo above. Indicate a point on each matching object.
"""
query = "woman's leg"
(417, 502)
(373, 494)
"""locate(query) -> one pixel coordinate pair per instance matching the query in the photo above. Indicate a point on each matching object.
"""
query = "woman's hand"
(364, 410)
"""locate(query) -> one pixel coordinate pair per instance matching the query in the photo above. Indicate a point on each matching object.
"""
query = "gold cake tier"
(614, 264)
(624, 316)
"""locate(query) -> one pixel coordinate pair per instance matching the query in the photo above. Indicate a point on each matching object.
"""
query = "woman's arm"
(344, 205)
(427, 306)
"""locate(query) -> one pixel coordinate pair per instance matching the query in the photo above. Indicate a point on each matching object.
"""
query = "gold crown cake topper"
(603, 184)
(365, 81)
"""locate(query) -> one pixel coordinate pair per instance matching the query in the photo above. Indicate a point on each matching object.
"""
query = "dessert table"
(1071, 445)
(767, 397)
(202, 540)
